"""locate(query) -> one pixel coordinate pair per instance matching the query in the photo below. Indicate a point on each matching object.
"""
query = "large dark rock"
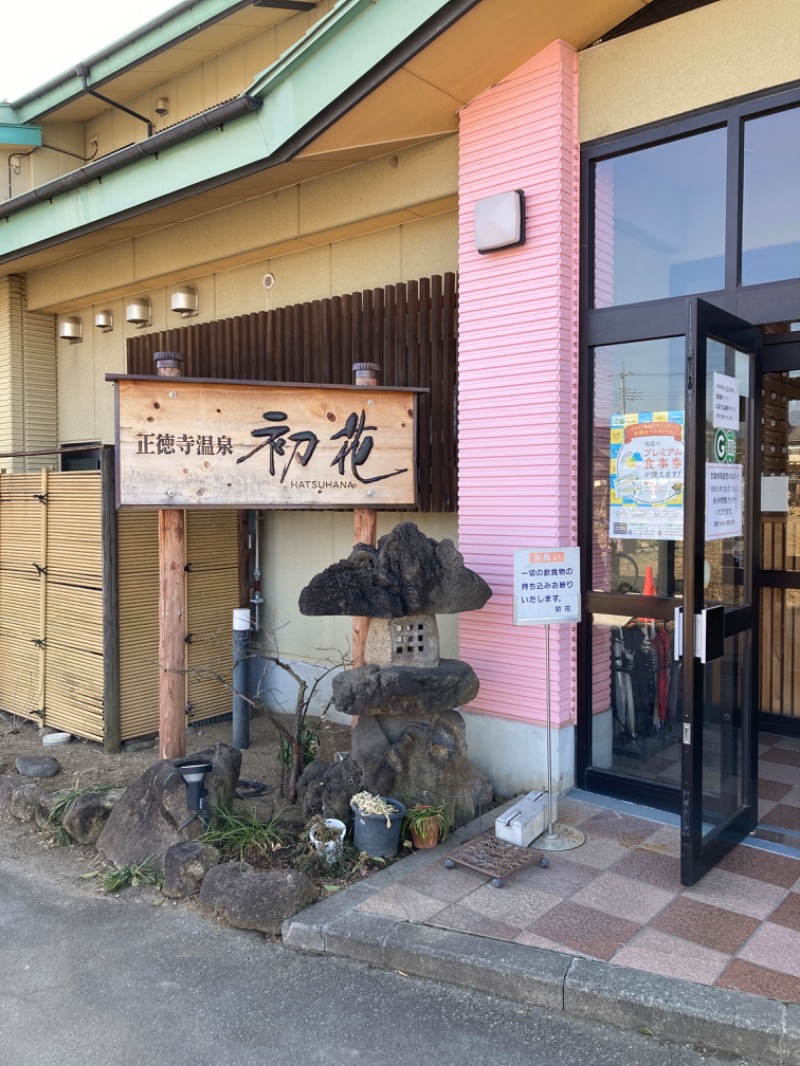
(18, 798)
(48, 798)
(326, 788)
(185, 866)
(221, 782)
(248, 899)
(152, 813)
(421, 760)
(37, 765)
(405, 689)
(86, 817)
(408, 573)
(24, 798)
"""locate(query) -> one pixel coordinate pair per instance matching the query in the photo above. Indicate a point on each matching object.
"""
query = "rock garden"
(249, 856)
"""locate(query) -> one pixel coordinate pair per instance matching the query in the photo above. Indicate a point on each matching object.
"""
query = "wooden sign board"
(185, 442)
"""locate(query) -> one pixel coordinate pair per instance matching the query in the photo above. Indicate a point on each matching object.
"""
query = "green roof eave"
(299, 92)
(295, 89)
(168, 29)
(15, 136)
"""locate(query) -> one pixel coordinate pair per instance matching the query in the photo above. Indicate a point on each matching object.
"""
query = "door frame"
(699, 851)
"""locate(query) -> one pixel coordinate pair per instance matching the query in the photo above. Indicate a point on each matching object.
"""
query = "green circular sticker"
(724, 445)
(730, 445)
(720, 446)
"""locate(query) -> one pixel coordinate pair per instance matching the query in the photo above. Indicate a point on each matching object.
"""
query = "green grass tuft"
(62, 803)
(145, 872)
(244, 837)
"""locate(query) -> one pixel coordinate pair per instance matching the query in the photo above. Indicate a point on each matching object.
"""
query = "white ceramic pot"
(329, 849)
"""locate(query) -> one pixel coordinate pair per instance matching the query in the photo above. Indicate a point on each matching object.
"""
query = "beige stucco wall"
(401, 253)
(729, 48)
(298, 544)
(357, 204)
(377, 196)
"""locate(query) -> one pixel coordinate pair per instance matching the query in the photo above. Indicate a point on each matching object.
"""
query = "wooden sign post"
(194, 443)
(365, 522)
(171, 600)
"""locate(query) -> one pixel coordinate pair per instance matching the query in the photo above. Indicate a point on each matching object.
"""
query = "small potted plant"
(426, 824)
(327, 835)
(376, 824)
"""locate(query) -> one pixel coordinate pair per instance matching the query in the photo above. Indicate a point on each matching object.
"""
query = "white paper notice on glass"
(775, 493)
(547, 586)
(724, 500)
(726, 402)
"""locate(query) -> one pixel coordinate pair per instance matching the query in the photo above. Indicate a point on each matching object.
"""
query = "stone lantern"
(410, 739)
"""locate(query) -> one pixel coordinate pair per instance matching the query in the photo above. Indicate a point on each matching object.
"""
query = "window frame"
(777, 301)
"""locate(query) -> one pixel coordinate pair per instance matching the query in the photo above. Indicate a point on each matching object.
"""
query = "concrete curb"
(718, 1019)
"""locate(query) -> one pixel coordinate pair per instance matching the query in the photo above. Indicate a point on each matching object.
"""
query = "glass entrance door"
(779, 622)
(715, 627)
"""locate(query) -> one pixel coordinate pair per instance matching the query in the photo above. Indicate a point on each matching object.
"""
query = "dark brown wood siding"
(409, 330)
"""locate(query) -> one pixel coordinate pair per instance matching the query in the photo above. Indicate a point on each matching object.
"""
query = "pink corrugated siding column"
(518, 375)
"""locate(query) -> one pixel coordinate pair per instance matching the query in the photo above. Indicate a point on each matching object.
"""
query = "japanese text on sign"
(646, 475)
(547, 586)
(183, 443)
(724, 501)
(726, 402)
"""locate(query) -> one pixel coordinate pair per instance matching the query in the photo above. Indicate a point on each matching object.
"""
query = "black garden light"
(194, 773)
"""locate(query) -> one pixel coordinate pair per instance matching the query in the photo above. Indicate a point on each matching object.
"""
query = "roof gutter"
(164, 31)
(83, 74)
(286, 146)
(214, 118)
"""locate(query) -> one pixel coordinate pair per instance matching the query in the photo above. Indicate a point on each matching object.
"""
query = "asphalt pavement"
(92, 981)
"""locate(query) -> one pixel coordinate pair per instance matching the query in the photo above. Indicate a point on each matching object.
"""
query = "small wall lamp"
(138, 312)
(184, 301)
(500, 221)
(70, 328)
(104, 320)
(161, 106)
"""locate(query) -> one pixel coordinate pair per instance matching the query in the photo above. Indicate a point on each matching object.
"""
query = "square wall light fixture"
(500, 221)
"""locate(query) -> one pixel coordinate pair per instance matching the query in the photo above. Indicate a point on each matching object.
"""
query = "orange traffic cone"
(648, 590)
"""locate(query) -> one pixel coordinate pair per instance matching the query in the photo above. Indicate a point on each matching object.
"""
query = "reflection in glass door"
(637, 559)
(779, 628)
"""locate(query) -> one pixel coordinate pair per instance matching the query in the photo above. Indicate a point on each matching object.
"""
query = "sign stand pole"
(558, 837)
(549, 835)
(547, 590)
(365, 523)
(171, 601)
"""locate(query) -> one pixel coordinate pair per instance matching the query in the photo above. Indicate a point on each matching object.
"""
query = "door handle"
(709, 634)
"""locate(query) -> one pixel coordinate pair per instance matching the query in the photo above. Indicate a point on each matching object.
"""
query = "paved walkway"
(606, 931)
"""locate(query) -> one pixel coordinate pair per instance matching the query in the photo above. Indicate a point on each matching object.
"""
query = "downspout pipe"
(242, 626)
(83, 74)
(213, 119)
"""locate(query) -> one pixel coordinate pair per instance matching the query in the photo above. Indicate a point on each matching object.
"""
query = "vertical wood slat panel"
(50, 576)
(424, 435)
(212, 591)
(408, 329)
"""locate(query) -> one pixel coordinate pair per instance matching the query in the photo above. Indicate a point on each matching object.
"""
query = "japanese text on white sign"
(547, 586)
(726, 402)
(724, 500)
